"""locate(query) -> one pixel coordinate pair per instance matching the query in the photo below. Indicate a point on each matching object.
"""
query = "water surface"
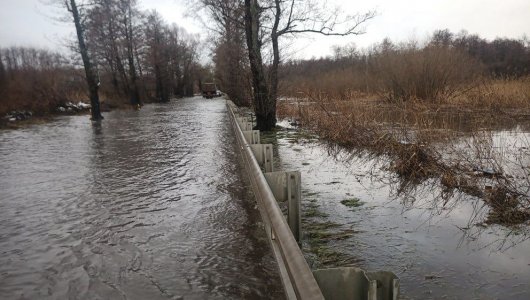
(148, 205)
(437, 252)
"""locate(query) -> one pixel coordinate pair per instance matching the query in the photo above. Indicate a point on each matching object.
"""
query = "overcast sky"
(30, 22)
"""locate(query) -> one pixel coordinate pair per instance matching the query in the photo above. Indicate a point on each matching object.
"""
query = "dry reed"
(416, 142)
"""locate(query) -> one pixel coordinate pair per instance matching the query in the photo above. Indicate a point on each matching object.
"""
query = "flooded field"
(353, 215)
(149, 205)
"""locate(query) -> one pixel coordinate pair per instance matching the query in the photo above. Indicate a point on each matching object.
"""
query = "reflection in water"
(96, 126)
(424, 245)
(146, 205)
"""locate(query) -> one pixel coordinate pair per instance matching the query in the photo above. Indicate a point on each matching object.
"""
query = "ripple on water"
(148, 206)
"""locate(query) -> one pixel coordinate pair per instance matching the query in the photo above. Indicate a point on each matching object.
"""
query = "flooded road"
(438, 253)
(150, 205)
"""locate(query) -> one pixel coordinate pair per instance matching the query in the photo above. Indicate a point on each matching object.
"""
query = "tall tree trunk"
(158, 81)
(123, 74)
(142, 89)
(264, 106)
(161, 89)
(276, 54)
(134, 94)
(2, 73)
(114, 76)
(91, 77)
(116, 55)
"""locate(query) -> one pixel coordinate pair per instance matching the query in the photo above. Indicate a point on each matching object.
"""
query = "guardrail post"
(247, 126)
(268, 157)
(286, 186)
(348, 283)
(294, 191)
(244, 123)
(263, 154)
(252, 136)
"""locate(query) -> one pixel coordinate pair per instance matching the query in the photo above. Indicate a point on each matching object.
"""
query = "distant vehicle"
(209, 90)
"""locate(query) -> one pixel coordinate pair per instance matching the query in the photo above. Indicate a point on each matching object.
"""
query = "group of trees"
(258, 26)
(434, 70)
(140, 55)
(501, 56)
(135, 51)
(230, 58)
(128, 55)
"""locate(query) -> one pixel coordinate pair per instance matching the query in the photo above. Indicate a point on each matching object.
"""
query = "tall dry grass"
(36, 80)
(496, 94)
(431, 74)
(420, 145)
(458, 70)
(427, 113)
(40, 91)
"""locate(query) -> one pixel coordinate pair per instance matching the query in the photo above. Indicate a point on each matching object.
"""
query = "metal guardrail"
(345, 283)
(297, 277)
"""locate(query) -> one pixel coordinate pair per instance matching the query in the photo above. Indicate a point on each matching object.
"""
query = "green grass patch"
(352, 202)
(311, 211)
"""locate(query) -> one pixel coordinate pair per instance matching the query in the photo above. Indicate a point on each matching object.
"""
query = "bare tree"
(103, 34)
(127, 12)
(171, 56)
(3, 77)
(156, 32)
(264, 106)
(291, 17)
(231, 65)
(90, 72)
(266, 21)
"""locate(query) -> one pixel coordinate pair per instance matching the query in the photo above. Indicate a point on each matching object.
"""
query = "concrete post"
(286, 186)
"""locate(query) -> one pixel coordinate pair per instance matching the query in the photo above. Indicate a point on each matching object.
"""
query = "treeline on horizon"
(138, 57)
(434, 70)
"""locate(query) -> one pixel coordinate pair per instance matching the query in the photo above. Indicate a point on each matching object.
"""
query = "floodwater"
(437, 252)
(151, 204)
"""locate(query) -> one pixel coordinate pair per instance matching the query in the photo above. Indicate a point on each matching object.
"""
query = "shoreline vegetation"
(454, 111)
(406, 141)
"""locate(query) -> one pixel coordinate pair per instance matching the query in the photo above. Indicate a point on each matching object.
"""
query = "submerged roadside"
(481, 154)
(354, 215)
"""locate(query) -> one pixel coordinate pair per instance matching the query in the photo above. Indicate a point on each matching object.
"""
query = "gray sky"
(30, 23)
